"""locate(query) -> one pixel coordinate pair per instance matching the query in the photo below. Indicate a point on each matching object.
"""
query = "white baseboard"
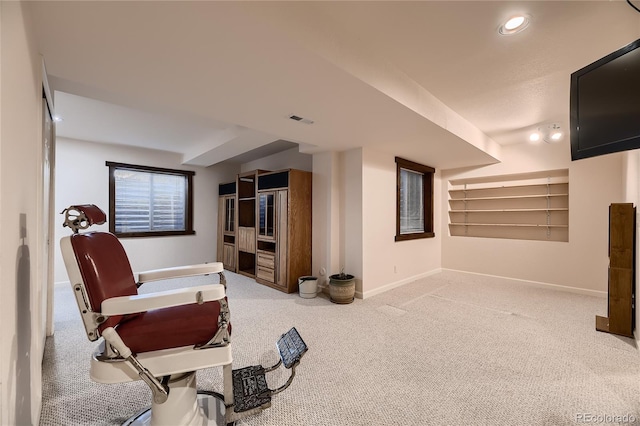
(384, 288)
(558, 287)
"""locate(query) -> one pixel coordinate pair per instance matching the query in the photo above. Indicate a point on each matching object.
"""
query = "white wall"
(580, 263)
(351, 223)
(326, 249)
(354, 223)
(83, 178)
(289, 159)
(387, 263)
(20, 240)
(337, 227)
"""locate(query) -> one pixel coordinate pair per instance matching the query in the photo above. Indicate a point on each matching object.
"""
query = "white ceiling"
(430, 81)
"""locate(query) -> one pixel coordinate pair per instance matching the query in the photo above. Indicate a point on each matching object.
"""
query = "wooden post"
(622, 237)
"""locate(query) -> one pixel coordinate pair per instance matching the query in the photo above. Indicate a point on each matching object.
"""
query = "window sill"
(152, 234)
(416, 236)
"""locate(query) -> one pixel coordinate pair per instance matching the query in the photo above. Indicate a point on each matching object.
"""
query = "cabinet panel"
(283, 238)
(219, 247)
(227, 189)
(267, 260)
(620, 310)
(226, 249)
(229, 257)
(266, 270)
(274, 180)
(266, 216)
(266, 274)
(229, 214)
(246, 239)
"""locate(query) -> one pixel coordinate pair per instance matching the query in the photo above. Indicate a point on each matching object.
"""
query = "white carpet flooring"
(450, 349)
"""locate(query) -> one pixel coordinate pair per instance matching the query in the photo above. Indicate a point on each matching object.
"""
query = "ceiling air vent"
(301, 119)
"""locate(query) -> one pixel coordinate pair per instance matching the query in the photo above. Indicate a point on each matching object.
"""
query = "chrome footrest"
(250, 389)
(291, 347)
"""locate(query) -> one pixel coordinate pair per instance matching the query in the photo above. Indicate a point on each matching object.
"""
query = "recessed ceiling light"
(514, 25)
(534, 137)
(57, 118)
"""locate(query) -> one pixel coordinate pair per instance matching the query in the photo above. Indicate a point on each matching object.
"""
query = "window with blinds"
(411, 202)
(149, 201)
(414, 200)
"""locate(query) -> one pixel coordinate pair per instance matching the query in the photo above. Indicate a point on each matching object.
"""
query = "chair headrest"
(83, 216)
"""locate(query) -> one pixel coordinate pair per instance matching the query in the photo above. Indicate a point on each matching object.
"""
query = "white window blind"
(149, 201)
(411, 202)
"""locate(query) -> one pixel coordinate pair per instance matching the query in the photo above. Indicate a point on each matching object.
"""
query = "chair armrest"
(123, 305)
(180, 272)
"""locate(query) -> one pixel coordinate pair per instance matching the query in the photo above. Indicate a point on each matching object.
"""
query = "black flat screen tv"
(605, 104)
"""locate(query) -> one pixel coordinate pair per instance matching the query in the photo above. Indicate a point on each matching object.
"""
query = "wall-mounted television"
(605, 104)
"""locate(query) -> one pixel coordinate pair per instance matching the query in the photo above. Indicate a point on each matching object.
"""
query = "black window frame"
(427, 186)
(188, 174)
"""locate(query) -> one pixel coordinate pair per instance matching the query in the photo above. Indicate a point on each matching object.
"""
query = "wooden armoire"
(272, 232)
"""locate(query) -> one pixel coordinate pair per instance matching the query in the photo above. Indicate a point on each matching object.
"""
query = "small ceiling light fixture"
(553, 133)
(57, 118)
(514, 25)
(550, 133)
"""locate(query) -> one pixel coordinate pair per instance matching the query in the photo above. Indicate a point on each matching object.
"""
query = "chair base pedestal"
(211, 403)
(185, 407)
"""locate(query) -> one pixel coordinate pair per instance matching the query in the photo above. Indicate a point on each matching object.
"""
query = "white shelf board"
(510, 210)
(509, 197)
(517, 225)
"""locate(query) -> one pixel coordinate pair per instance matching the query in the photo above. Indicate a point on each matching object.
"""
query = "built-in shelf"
(531, 206)
(246, 219)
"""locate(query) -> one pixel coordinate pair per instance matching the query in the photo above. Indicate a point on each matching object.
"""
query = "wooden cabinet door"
(282, 270)
(267, 216)
(221, 219)
(229, 257)
(229, 214)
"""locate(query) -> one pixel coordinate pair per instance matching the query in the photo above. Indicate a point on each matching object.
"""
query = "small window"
(414, 200)
(149, 201)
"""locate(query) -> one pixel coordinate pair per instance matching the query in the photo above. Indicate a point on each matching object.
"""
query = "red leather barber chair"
(163, 338)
